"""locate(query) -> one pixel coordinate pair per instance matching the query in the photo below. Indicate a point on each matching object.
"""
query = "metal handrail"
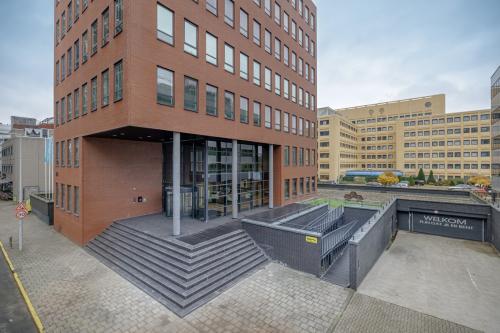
(337, 237)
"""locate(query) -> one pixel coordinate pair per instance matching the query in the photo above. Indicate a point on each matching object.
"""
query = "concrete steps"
(179, 275)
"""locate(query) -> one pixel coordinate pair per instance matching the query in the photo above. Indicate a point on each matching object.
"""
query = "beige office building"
(404, 136)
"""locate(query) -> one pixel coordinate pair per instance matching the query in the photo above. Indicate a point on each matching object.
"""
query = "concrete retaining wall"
(42, 208)
(370, 242)
(288, 247)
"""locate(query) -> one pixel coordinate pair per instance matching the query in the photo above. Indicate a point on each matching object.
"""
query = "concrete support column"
(271, 176)
(176, 177)
(235, 179)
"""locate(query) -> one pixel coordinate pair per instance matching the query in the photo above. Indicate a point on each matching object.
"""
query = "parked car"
(373, 184)
(403, 184)
(461, 187)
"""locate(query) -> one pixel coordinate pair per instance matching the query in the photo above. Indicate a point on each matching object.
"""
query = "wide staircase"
(180, 275)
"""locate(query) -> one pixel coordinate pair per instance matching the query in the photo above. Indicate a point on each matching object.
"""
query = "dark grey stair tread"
(182, 299)
(173, 245)
(189, 280)
(181, 263)
(171, 295)
(209, 234)
(136, 281)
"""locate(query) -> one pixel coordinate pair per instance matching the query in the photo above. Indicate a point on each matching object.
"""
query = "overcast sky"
(369, 51)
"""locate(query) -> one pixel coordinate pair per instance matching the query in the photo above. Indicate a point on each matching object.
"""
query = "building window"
(76, 203)
(76, 48)
(63, 196)
(277, 13)
(256, 32)
(277, 120)
(277, 48)
(68, 199)
(70, 15)
(256, 73)
(85, 92)
(294, 124)
(294, 156)
(118, 81)
(211, 100)
(286, 88)
(229, 58)
(63, 108)
(63, 153)
(164, 86)
(105, 27)
(286, 159)
(243, 66)
(267, 7)
(70, 60)
(244, 110)
(229, 12)
(93, 29)
(211, 6)
(190, 38)
(105, 88)
(76, 143)
(211, 49)
(57, 154)
(267, 116)
(190, 94)
(85, 46)
(267, 79)
(165, 24)
(93, 87)
(286, 122)
(76, 98)
(277, 84)
(69, 153)
(118, 16)
(267, 41)
(69, 100)
(287, 189)
(294, 93)
(243, 23)
(256, 113)
(229, 105)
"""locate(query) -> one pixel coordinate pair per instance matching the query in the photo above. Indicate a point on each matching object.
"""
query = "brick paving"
(73, 292)
(368, 314)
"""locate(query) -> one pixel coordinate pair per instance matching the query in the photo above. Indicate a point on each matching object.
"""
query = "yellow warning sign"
(312, 239)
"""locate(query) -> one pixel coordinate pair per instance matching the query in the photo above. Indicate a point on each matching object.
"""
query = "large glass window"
(85, 94)
(190, 38)
(76, 103)
(190, 94)
(164, 86)
(211, 100)
(286, 121)
(244, 110)
(76, 143)
(211, 52)
(267, 41)
(165, 24)
(85, 46)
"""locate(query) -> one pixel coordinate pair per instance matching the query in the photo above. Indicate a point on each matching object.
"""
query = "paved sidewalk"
(73, 292)
(366, 314)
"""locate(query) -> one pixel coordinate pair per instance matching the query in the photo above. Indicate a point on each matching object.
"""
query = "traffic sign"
(21, 211)
(21, 214)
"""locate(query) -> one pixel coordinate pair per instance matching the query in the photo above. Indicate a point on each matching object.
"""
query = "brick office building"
(159, 105)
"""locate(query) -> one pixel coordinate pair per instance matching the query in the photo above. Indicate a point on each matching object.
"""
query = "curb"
(24, 294)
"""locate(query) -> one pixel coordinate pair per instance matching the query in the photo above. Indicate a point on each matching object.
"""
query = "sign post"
(21, 213)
